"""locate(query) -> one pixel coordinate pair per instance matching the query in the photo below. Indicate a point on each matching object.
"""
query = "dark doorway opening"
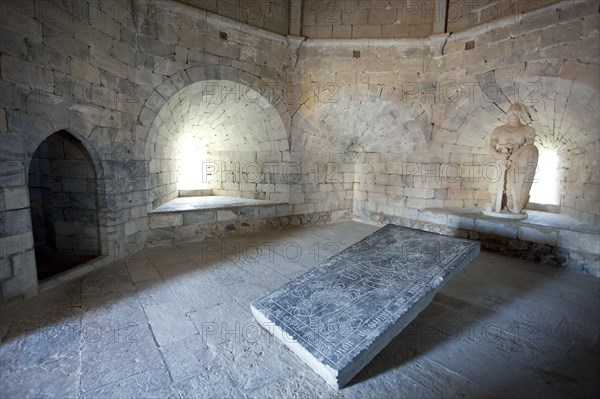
(63, 192)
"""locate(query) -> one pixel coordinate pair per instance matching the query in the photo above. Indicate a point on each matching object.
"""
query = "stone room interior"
(219, 198)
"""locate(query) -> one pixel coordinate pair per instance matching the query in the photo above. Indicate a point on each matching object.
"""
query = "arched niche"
(218, 135)
(63, 192)
(371, 117)
(564, 113)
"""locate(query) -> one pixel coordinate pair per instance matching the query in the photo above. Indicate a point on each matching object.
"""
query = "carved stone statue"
(517, 161)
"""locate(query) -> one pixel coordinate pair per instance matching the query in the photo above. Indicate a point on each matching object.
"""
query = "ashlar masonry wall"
(374, 128)
(417, 114)
(377, 19)
(102, 70)
(271, 15)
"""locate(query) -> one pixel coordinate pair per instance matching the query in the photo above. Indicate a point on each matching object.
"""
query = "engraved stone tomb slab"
(338, 316)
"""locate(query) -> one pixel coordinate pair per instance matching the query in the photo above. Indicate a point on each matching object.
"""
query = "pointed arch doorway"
(63, 193)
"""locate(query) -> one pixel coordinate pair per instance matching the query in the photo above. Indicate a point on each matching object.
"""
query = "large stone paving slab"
(338, 316)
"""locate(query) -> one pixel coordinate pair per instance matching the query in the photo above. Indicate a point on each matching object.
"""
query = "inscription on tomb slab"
(338, 316)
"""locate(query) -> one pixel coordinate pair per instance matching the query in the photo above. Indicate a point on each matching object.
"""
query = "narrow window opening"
(546, 181)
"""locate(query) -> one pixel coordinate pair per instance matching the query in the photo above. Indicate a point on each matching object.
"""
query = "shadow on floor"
(489, 309)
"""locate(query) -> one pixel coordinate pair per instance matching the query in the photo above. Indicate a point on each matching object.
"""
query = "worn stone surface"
(151, 383)
(378, 129)
(24, 348)
(184, 358)
(499, 318)
(338, 317)
(57, 379)
(169, 325)
(118, 352)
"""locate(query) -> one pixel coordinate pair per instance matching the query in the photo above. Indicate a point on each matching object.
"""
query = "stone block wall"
(325, 183)
(188, 226)
(345, 19)
(254, 175)
(419, 113)
(400, 184)
(465, 14)
(580, 191)
(272, 15)
(369, 19)
(102, 70)
(378, 128)
(18, 275)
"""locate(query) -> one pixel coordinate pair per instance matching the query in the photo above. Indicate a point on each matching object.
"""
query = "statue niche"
(517, 159)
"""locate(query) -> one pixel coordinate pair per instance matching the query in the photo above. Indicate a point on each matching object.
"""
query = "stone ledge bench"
(338, 316)
(191, 218)
(572, 244)
(197, 218)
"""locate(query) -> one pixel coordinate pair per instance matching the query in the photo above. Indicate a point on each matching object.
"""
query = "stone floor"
(175, 322)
